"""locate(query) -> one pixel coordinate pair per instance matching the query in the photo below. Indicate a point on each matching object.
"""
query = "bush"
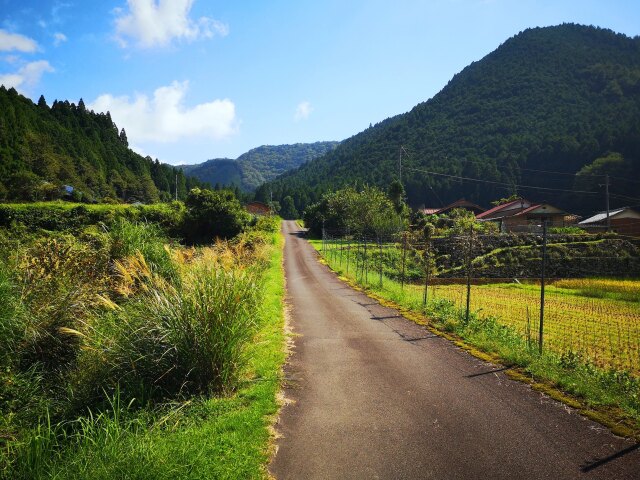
(213, 215)
(366, 212)
(269, 224)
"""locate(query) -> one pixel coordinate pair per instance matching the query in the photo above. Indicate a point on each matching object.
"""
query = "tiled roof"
(498, 208)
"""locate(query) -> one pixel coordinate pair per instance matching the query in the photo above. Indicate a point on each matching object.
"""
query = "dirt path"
(377, 396)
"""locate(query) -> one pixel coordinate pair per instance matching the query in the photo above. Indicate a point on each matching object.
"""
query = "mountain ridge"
(549, 98)
(257, 165)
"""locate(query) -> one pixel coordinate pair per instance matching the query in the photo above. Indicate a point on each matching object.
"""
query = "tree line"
(43, 149)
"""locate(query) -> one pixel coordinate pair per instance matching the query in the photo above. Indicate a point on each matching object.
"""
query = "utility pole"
(606, 190)
(542, 280)
(176, 187)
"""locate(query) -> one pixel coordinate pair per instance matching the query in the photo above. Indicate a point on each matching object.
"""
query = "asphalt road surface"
(374, 395)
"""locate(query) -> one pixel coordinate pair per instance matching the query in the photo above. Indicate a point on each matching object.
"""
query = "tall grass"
(173, 339)
(148, 339)
(9, 322)
(129, 238)
(68, 443)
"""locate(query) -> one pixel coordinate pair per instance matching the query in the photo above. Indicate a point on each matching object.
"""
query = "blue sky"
(196, 79)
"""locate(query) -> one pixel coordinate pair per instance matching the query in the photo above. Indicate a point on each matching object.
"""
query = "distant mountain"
(546, 105)
(253, 168)
(44, 148)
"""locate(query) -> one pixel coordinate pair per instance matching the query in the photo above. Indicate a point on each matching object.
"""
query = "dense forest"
(545, 115)
(44, 148)
(253, 168)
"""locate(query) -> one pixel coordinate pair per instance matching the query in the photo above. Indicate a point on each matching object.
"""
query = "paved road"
(377, 396)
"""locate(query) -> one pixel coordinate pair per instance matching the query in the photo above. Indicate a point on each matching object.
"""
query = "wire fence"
(572, 294)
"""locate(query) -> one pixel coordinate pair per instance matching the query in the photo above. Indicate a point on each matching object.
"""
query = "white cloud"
(303, 110)
(11, 58)
(59, 38)
(15, 41)
(27, 76)
(152, 23)
(165, 119)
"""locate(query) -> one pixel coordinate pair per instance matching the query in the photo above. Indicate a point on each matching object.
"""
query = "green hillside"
(253, 168)
(43, 148)
(562, 99)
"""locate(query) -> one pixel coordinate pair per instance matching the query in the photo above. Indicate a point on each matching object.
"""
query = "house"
(522, 215)
(462, 203)
(258, 208)
(625, 221)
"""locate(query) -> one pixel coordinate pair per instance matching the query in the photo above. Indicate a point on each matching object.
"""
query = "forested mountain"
(562, 99)
(253, 168)
(43, 148)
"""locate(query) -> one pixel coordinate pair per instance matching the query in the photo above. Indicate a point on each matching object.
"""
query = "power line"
(492, 182)
(554, 172)
(509, 185)
(625, 197)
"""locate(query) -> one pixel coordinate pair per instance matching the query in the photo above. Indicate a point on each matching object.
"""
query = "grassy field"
(167, 367)
(591, 340)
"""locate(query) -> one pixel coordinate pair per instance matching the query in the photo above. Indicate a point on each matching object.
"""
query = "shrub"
(213, 215)
(366, 212)
(270, 224)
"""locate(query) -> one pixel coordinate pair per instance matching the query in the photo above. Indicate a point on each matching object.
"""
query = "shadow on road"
(488, 372)
(610, 458)
(299, 234)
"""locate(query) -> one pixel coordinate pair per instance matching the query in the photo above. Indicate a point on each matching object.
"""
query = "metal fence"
(575, 295)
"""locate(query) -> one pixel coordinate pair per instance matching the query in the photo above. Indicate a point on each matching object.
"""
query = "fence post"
(542, 279)
(323, 236)
(366, 264)
(469, 254)
(348, 251)
(333, 250)
(355, 258)
(380, 259)
(427, 265)
(404, 256)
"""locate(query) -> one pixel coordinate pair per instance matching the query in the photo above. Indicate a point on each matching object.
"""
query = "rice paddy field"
(592, 320)
(595, 319)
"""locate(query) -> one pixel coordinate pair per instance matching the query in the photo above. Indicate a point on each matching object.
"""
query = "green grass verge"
(225, 437)
(607, 396)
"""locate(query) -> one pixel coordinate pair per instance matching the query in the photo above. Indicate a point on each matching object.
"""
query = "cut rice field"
(591, 320)
(602, 330)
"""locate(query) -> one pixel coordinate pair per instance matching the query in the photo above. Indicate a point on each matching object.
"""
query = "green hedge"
(64, 216)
